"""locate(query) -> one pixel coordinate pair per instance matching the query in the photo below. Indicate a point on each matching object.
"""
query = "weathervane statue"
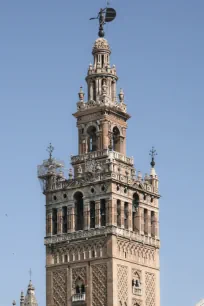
(105, 15)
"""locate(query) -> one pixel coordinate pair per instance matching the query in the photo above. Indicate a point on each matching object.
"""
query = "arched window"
(135, 204)
(64, 219)
(92, 214)
(118, 213)
(54, 221)
(103, 212)
(135, 201)
(136, 285)
(126, 213)
(79, 211)
(153, 223)
(116, 139)
(92, 146)
(79, 286)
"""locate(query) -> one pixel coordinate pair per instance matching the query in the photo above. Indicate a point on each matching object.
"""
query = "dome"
(101, 44)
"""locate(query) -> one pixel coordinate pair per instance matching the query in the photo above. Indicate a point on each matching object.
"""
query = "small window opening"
(103, 212)
(92, 190)
(126, 213)
(79, 211)
(92, 214)
(145, 221)
(116, 139)
(103, 188)
(64, 219)
(54, 221)
(118, 213)
(92, 139)
(102, 61)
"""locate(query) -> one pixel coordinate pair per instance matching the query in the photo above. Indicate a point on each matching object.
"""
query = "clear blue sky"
(158, 49)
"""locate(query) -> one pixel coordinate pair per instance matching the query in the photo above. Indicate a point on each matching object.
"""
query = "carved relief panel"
(122, 287)
(60, 287)
(150, 289)
(99, 285)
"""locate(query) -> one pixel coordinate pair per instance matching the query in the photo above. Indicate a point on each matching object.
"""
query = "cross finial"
(50, 149)
(153, 153)
(30, 274)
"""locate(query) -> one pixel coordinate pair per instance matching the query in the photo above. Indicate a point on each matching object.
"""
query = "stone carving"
(122, 287)
(90, 166)
(136, 302)
(138, 252)
(78, 274)
(60, 288)
(122, 244)
(99, 285)
(101, 43)
(150, 289)
(79, 170)
(80, 251)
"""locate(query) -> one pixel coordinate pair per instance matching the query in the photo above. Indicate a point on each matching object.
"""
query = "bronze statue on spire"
(105, 15)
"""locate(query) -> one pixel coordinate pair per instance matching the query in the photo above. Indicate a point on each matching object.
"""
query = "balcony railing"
(137, 291)
(79, 297)
(102, 153)
(84, 234)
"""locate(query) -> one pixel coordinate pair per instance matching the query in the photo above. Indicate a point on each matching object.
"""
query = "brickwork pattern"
(60, 288)
(150, 289)
(99, 285)
(122, 278)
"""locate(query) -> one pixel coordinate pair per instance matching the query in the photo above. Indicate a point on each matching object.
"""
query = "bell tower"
(102, 235)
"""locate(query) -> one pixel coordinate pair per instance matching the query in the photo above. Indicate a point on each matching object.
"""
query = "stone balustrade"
(102, 153)
(84, 234)
(79, 297)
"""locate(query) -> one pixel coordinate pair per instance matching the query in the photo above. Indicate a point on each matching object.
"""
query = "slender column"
(107, 212)
(142, 220)
(149, 226)
(114, 91)
(130, 216)
(155, 225)
(137, 221)
(72, 219)
(49, 224)
(86, 145)
(123, 142)
(111, 211)
(98, 141)
(69, 219)
(86, 215)
(91, 91)
(115, 213)
(97, 214)
(97, 87)
(122, 213)
(59, 221)
(146, 225)
(105, 135)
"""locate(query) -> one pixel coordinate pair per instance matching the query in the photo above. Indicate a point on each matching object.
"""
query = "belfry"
(102, 234)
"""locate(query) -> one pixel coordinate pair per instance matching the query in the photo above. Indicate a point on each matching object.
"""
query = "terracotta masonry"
(102, 222)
